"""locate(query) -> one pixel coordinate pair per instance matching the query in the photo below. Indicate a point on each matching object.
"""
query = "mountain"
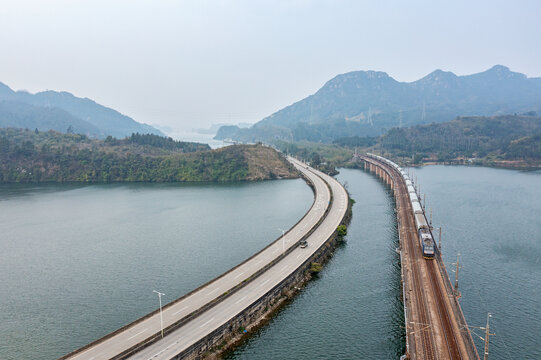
(59, 110)
(366, 103)
(17, 114)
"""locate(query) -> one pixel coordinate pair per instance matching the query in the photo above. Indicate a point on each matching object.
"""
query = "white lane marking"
(161, 351)
(94, 356)
(264, 282)
(241, 299)
(239, 275)
(139, 333)
(285, 267)
(184, 308)
(210, 292)
(298, 256)
(206, 323)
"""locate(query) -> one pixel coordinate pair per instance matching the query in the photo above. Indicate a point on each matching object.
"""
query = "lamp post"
(161, 316)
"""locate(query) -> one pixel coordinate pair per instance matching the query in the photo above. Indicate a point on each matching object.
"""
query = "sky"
(189, 64)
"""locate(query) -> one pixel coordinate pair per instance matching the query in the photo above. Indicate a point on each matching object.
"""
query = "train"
(426, 241)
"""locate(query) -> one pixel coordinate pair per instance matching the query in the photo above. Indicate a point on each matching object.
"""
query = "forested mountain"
(34, 156)
(17, 114)
(51, 110)
(366, 103)
(509, 137)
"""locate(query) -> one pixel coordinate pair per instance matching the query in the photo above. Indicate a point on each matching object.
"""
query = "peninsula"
(32, 156)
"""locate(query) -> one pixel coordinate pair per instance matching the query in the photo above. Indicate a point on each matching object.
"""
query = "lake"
(80, 261)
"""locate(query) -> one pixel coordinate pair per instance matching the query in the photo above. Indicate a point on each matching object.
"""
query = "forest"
(509, 137)
(34, 156)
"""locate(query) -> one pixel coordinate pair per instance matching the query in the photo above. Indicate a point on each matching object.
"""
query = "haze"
(188, 64)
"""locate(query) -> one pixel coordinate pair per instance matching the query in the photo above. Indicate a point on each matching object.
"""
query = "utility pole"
(161, 316)
(487, 335)
(456, 275)
(439, 246)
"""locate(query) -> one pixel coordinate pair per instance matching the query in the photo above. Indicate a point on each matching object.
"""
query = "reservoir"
(80, 261)
(353, 310)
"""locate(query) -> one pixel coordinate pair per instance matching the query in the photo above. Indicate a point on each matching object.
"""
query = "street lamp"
(161, 316)
(283, 241)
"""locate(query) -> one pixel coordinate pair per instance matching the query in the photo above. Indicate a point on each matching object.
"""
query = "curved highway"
(211, 320)
(183, 309)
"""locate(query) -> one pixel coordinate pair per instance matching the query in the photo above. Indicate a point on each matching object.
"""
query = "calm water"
(353, 310)
(492, 218)
(77, 262)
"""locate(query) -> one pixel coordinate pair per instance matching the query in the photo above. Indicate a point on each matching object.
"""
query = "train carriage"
(417, 209)
(425, 239)
(427, 243)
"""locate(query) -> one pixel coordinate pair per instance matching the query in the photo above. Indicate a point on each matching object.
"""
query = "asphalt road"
(207, 322)
(217, 315)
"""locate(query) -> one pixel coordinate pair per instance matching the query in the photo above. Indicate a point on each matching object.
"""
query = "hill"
(505, 141)
(51, 110)
(366, 103)
(34, 156)
(510, 138)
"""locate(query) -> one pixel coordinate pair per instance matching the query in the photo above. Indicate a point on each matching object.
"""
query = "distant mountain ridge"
(62, 110)
(366, 103)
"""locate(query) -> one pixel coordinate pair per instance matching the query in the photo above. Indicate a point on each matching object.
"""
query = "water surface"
(492, 218)
(353, 309)
(78, 262)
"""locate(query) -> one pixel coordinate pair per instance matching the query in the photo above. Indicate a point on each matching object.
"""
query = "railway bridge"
(435, 325)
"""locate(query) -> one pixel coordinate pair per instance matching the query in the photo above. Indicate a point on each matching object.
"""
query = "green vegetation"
(156, 141)
(355, 141)
(315, 268)
(342, 230)
(507, 141)
(325, 157)
(34, 156)
(494, 140)
(367, 103)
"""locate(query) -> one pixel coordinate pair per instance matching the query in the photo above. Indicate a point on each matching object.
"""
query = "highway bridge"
(434, 322)
(201, 319)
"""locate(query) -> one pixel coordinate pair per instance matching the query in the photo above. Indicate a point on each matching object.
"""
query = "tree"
(342, 230)
(316, 159)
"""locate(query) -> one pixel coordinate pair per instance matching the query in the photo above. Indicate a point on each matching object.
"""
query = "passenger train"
(426, 240)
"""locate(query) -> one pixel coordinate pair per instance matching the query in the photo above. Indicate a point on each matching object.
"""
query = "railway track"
(425, 324)
(443, 312)
(422, 326)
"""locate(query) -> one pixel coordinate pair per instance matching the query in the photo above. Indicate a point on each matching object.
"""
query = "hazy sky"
(188, 64)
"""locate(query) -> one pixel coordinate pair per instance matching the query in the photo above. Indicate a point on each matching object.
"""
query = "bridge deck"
(435, 327)
(197, 314)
